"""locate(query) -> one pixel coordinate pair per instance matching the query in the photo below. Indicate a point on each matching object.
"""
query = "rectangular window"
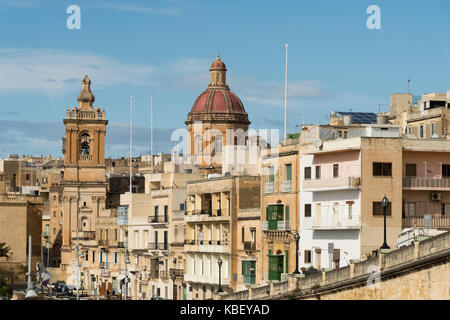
(382, 169)
(93, 256)
(54, 214)
(156, 239)
(432, 129)
(288, 172)
(307, 210)
(410, 209)
(115, 257)
(307, 256)
(27, 176)
(271, 174)
(101, 256)
(410, 169)
(377, 208)
(307, 173)
(156, 212)
(421, 131)
(166, 239)
(317, 172)
(54, 231)
(446, 171)
(335, 170)
(243, 234)
(166, 213)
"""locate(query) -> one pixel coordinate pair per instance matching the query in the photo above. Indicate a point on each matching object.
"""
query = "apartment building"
(221, 245)
(343, 180)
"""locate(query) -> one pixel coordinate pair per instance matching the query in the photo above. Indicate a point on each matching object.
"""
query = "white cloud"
(55, 71)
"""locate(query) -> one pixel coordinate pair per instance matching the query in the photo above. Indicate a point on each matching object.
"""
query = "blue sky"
(165, 47)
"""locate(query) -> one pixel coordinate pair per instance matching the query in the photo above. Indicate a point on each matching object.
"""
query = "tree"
(4, 250)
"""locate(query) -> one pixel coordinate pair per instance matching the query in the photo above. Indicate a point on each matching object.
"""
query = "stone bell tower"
(84, 184)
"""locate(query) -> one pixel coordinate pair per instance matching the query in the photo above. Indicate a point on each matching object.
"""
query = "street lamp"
(385, 203)
(127, 261)
(296, 238)
(219, 262)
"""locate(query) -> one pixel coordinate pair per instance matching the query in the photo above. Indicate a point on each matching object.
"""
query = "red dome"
(218, 65)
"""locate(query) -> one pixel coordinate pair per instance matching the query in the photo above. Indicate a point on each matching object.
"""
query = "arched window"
(85, 144)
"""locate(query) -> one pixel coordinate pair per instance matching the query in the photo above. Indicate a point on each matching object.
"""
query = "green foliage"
(4, 291)
(4, 250)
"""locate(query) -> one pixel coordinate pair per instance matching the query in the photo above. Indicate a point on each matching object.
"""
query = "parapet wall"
(418, 271)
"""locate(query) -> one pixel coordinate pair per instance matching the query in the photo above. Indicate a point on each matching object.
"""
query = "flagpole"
(285, 95)
(131, 138)
(151, 130)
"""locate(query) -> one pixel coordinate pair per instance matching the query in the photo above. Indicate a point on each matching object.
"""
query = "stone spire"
(86, 98)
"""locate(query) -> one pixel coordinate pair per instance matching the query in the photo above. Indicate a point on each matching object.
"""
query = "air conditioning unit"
(435, 196)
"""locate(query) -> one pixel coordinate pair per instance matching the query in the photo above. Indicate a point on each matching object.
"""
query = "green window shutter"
(287, 261)
(288, 172)
(270, 252)
(271, 173)
(287, 214)
(267, 213)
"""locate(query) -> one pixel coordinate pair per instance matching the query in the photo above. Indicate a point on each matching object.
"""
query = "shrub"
(4, 291)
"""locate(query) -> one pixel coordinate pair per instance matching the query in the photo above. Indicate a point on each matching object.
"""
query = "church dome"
(218, 102)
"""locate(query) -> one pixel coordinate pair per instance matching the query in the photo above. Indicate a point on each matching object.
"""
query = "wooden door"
(103, 289)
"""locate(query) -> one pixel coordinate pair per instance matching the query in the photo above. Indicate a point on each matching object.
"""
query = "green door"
(275, 267)
(249, 272)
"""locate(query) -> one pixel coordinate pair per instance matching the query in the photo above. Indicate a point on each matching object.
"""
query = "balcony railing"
(120, 244)
(46, 234)
(268, 187)
(426, 183)
(339, 220)
(332, 184)
(85, 157)
(83, 235)
(158, 219)
(286, 186)
(436, 222)
(103, 265)
(176, 272)
(206, 242)
(275, 225)
(103, 243)
(158, 246)
(163, 275)
(249, 245)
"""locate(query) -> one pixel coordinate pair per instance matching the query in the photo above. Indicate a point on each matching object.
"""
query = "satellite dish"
(318, 143)
(435, 136)
(227, 174)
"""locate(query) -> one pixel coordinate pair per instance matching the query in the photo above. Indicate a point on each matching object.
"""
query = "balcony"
(213, 246)
(268, 187)
(176, 272)
(286, 186)
(46, 234)
(436, 222)
(206, 215)
(163, 275)
(249, 245)
(83, 235)
(341, 183)
(155, 246)
(85, 157)
(431, 184)
(120, 244)
(275, 226)
(336, 221)
(158, 219)
(103, 265)
(103, 243)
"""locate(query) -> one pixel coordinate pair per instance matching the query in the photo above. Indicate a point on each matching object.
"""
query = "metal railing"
(158, 219)
(206, 242)
(158, 246)
(176, 272)
(275, 226)
(249, 245)
(103, 243)
(121, 244)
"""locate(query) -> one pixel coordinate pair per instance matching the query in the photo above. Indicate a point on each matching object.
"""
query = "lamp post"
(385, 203)
(219, 262)
(127, 261)
(296, 238)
